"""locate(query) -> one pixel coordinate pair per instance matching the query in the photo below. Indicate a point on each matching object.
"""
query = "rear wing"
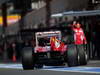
(47, 34)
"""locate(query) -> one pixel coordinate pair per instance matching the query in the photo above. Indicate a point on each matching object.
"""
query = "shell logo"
(11, 19)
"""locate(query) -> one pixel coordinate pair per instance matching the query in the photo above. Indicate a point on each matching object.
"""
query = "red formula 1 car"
(51, 51)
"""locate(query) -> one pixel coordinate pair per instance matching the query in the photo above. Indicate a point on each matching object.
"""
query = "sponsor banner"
(11, 19)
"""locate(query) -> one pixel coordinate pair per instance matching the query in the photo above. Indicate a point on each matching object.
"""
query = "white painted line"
(95, 70)
(73, 71)
(13, 66)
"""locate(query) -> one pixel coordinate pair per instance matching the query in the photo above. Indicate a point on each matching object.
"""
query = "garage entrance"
(90, 21)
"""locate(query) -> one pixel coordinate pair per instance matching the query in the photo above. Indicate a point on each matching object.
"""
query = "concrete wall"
(33, 18)
(12, 29)
(57, 6)
(77, 4)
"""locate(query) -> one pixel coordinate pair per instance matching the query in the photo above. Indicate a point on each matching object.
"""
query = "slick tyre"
(27, 58)
(72, 59)
(82, 55)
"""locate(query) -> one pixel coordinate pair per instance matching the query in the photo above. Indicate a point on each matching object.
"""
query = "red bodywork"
(62, 48)
(57, 45)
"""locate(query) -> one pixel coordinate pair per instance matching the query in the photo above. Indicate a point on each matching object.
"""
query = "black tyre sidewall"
(72, 59)
(27, 58)
(82, 55)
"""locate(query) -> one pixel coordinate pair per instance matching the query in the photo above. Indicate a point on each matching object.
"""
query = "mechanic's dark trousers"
(97, 48)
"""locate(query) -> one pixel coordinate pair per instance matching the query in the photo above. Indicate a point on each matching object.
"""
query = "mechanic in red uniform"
(79, 37)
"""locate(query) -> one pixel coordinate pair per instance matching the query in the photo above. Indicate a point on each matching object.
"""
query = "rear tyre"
(72, 59)
(27, 58)
(82, 55)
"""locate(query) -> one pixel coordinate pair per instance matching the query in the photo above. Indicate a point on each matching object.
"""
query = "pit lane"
(92, 68)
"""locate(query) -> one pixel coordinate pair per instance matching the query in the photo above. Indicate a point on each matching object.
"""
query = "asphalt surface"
(92, 68)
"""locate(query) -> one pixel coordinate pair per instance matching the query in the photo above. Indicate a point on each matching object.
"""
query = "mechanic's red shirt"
(79, 37)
